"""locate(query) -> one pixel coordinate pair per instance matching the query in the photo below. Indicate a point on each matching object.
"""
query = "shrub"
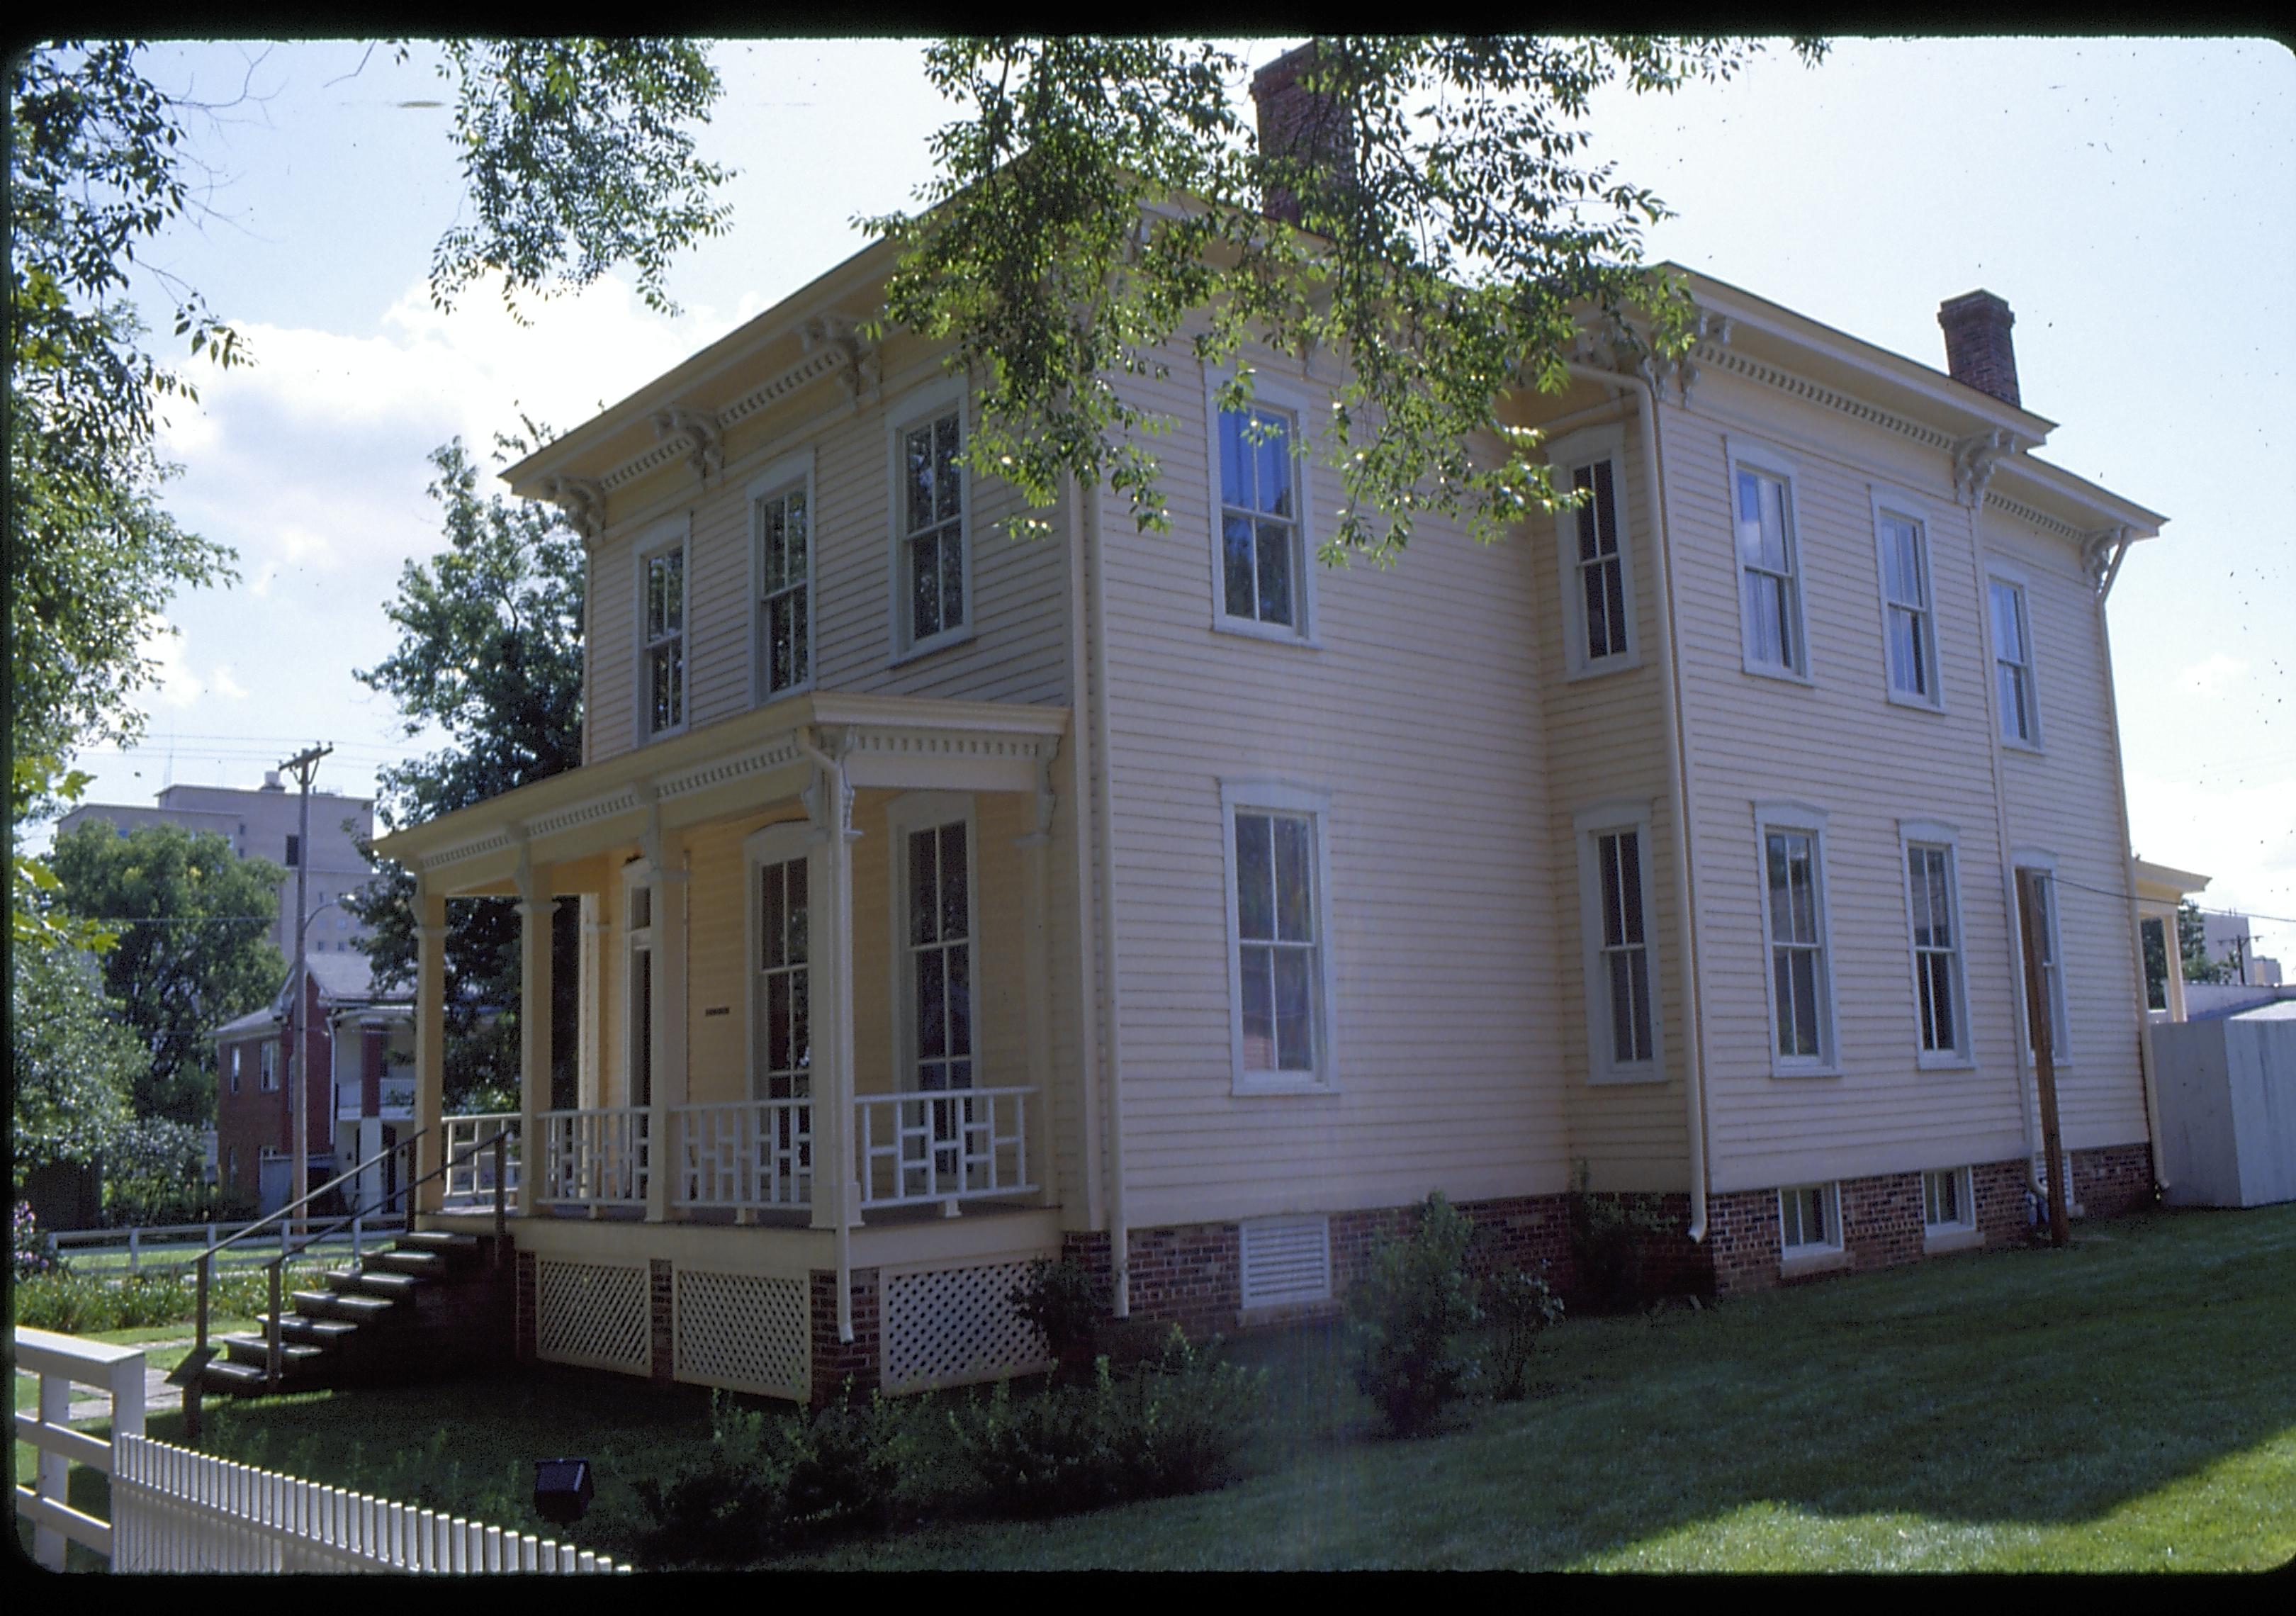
(1175, 1426)
(35, 1252)
(81, 1301)
(1408, 1314)
(767, 1483)
(1522, 1306)
(1065, 1302)
(1607, 1236)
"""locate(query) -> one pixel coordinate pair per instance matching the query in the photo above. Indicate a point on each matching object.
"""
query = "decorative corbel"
(2101, 555)
(701, 428)
(830, 811)
(583, 501)
(1712, 328)
(862, 363)
(1973, 459)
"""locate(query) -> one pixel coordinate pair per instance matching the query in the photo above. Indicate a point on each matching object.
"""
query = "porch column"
(1035, 974)
(430, 1040)
(667, 1054)
(590, 1076)
(836, 1197)
(535, 910)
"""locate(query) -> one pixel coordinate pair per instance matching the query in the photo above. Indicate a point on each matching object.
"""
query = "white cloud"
(224, 685)
(173, 682)
(2208, 677)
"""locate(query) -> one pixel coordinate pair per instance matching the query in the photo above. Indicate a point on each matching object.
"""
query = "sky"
(2130, 199)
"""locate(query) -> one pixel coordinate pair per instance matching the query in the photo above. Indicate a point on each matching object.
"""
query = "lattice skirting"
(593, 1314)
(956, 1325)
(743, 1333)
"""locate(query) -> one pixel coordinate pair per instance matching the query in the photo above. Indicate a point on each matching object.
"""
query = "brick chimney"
(1297, 123)
(1978, 352)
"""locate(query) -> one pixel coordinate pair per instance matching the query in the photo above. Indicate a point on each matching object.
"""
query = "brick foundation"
(522, 1309)
(834, 1360)
(660, 1299)
(2113, 1180)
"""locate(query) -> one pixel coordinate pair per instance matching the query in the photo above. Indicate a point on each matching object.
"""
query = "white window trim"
(790, 472)
(1931, 833)
(774, 844)
(1998, 571)
(1965, 1193)
(1895, 501)
(1282, 798)
(268, 1067)
(636, 939)
(676, 534)
(914, 811)
(1564, 456)
(1760, 456)
(1786, 816)
(1812, 1253)
(1591, 823)
(2060, 1014)
(1275, 393)
(924, 403)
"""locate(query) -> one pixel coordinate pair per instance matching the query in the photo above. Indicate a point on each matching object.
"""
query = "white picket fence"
(173, 1510)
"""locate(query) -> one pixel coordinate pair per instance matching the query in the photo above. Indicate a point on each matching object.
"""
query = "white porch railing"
(60, 1361)
(946, 1146)
(595, 1158)
(472, 1182)
(749, 1154)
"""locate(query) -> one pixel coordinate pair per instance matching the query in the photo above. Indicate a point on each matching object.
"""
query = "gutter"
(1120, 1229)
(1678, 785)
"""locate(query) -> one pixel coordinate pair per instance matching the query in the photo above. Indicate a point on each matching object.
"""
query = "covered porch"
(815, 989)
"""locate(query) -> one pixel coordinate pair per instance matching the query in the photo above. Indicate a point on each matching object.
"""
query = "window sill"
(1832, 1070)
(1256, 1085)
(1801, 1261)
(1273, 634)
(1616, 1079)
(1944, 1062)
(1783, 676)
(1936, 1242)
(1625, 663)
(805, 689)
(939, 642)
(2032, 748)
(650, 737)
(1916, 703)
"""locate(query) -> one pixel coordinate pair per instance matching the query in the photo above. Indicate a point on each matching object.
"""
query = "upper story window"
(1933, 906)
(270, 1064)
(294, 847)
(1769, 564)
(2013, 663)
(1793, 922)
(932, 565)
(1279, 967)
(1909, 629)
(1260, 556)
(1597, 566)
(661, 644)
(781, 518)
(238, 1053)
(1621, 995)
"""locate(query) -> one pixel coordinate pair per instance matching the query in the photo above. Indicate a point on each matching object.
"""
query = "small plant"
(1065, 1301)
(1608, 1238)
(1409, 1313)
(35, 1251)
(81, 1301)
(1523, 1307)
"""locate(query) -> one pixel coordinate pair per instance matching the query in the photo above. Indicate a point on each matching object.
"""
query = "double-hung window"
(1933, 912)
(932, 571)
(2013, 663)
(1261, 558)
(661, 639)
(238, 1053)
(1769, 562)
(1279, 957)
(1622, 1010)
(780, 507)
(1909, 619)
(270, 1061)
(937, 959)
(2036, 876)
(1794, 921)
(1596, 559)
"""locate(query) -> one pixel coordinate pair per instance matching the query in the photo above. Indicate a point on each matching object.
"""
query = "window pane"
(1940, 1000)
(772, 922)
(924, 888)
(794, 538)
(1235, 565)
(1256, 968)
(955, 905)
(800, 639)
(1274, 469)
(781, 642)
(1751, 550)
(917, 465)
(777, 1022)
(801, 1022)
(1805, 984)
(1295, 923)
(932, 1018)
(794, 877)
(1639, 959)
(924, 587)
(1622, 1005)
(948, 481)
(960, 999)
(1274, 573)
(1765, 620)
(1294, 1040)
(1614, 920)
(1589, 545)
(1235, 461)
(2008, 623)
(952, 578)
(1905, 653)
(1598, 620)
(1614, 593)
(771, 544)
(1255, 876)
(1630, 885)
(1606, 517)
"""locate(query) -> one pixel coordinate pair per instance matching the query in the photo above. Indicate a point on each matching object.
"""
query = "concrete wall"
(2228, 1110)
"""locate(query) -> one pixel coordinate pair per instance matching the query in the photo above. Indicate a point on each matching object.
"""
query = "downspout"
(1678, 786)
(2146, 1075)
(832, 791)
(1119, 1230)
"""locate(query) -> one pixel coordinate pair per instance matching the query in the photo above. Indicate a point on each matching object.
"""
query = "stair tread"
(436, 1240)
(224, 1369)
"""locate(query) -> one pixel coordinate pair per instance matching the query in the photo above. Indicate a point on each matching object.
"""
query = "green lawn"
(2129, 1404)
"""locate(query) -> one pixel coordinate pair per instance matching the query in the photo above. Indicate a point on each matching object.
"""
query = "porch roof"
(747, 760)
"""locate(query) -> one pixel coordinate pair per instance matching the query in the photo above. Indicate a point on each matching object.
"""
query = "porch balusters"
(960, 1145)
(745, 1155)
(596, 1159)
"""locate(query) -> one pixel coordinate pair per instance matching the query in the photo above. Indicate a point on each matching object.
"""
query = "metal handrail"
(274, 1342)
(350, 1172)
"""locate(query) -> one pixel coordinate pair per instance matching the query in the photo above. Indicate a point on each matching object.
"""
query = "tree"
(579, 154)
(2193, 944)
(73, 1064)
(194, 920)
(1103, 197)
(490, 650)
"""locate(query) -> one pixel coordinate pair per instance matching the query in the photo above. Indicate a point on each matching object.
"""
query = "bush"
(767, 1484)
(151, 1173)
(1065, 1302)
(82, 1301)
(33, 1251)
(1607, 1236)
(1408, 1314)
(1175, 1426)
(1522, 1306)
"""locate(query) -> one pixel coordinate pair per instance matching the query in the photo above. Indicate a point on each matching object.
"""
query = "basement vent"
(1286, 1262)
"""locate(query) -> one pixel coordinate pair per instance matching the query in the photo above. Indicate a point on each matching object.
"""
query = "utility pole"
(2040, 1013)
(304, 764)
